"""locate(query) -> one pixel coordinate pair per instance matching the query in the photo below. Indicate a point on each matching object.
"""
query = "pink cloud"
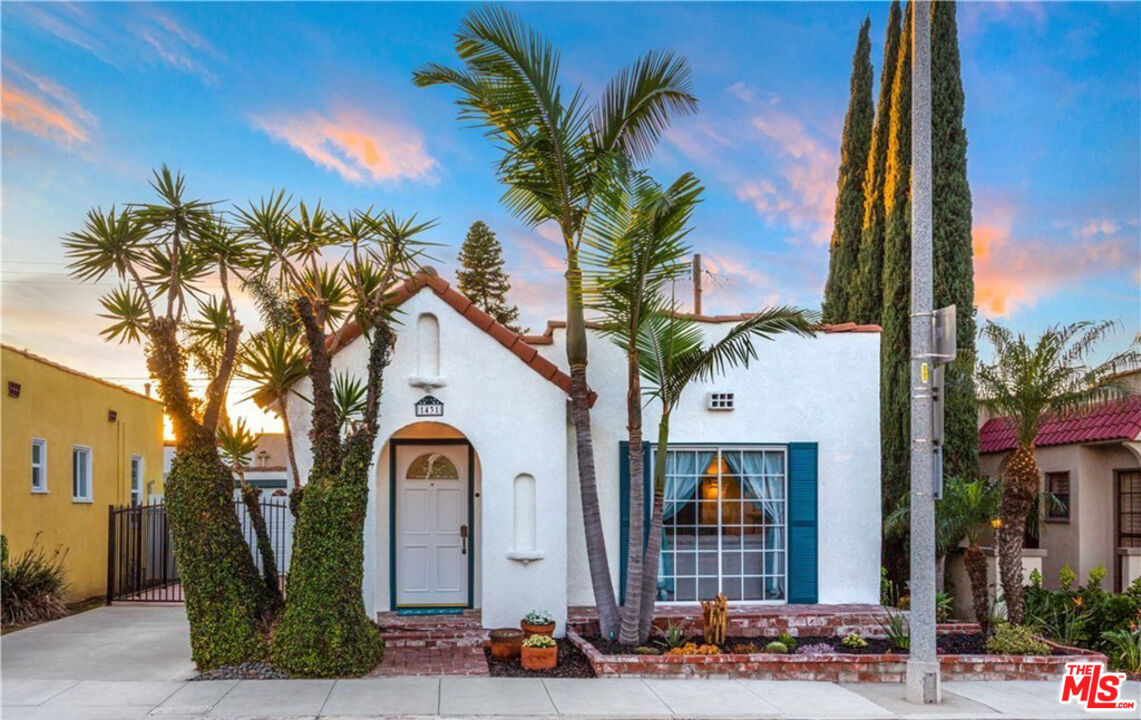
(1012, 272)
(804, 194)
(354, 144)
(42, 107)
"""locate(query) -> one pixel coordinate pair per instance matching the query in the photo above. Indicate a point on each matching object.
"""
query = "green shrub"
(787, 640)
(854, 640)
(32, 585)
(897, 631)
(1124, 649)
(776, 646)
(1015, 640)
(944, 607)
(1081, 616)
(673, 636)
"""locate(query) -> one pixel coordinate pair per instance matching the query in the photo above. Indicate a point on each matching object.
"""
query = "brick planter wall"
(885, 667)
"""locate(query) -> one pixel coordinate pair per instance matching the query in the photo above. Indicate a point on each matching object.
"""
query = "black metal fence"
(140, 550)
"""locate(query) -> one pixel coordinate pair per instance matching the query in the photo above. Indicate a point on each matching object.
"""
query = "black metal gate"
(140, 550)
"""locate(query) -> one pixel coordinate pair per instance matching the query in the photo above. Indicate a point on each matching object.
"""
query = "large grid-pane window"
(1129, 508)
(724, 524)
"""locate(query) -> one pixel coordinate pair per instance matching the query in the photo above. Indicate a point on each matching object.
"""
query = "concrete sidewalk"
(471, 697)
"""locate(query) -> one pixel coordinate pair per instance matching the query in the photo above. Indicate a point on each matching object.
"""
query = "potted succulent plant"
(538, 622)
(540, 652)
(506, 643)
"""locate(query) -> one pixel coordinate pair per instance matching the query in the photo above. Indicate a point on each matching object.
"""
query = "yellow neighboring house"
(70, 445)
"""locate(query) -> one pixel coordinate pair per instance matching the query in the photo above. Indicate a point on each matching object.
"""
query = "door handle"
(463, 537)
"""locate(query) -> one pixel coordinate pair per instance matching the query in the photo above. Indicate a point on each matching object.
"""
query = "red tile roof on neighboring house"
(1111, 421)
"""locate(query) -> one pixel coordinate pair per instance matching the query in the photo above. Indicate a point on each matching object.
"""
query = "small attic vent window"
(719, 401)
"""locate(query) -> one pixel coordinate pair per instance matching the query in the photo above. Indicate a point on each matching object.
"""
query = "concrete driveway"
(129, 643)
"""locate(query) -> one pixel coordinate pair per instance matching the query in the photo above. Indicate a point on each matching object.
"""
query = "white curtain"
(682, 471)
(762, 482)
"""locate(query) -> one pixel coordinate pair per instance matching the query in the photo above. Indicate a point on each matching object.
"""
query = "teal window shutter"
(802, 523)
(624, 507)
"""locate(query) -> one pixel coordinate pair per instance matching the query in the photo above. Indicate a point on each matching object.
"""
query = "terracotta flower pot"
(529, 629)
(540, 658)
(506, 643)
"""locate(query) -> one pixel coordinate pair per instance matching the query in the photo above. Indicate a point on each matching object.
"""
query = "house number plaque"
(429, 406)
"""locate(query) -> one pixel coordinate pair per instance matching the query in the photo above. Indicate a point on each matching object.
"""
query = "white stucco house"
(774, 477)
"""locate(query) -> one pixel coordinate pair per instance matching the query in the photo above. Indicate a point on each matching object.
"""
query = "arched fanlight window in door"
(431, 466)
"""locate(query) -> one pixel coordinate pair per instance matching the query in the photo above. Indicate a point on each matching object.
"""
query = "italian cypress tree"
(481, 275)
(866, 303)
(895, 342)
(954, 267)
(843, 266)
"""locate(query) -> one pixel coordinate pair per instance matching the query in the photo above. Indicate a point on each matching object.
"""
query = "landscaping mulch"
(950, 644)
(245, 671)
(572, 664)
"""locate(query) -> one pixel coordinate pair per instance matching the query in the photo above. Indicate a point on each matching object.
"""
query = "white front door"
(432, 534)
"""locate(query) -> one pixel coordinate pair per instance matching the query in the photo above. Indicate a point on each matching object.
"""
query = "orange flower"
(1078, 601)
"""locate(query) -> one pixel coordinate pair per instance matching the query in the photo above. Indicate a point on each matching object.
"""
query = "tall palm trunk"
(604, 600)
(632, 608)
(654, 541)
(975, 561)
(1020, 485)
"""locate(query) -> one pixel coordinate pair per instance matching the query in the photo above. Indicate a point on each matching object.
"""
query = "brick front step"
(885, 667)
(431, 632)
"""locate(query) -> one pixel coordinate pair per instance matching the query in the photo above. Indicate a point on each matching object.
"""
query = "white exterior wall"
(515, 420)
(823, 390)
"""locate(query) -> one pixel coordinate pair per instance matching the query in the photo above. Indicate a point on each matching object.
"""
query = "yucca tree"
(163, 252)
(556, 145)
(317, 273)
(1028, 382)
(237, 445)
(634, 249)
(274, 360)
(673, 353)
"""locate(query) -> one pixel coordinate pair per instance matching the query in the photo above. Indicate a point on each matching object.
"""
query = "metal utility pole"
(697, 283)
(923, 684)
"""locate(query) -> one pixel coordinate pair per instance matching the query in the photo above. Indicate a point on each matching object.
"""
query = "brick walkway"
(433, 645)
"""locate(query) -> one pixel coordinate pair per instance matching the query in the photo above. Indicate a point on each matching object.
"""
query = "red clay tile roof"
(1111, 421)
(548, 335)
(514, 342)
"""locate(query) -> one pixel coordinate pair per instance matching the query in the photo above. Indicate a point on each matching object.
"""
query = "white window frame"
(89, 497)
(717, 450)
(141, 490)
(42, 466)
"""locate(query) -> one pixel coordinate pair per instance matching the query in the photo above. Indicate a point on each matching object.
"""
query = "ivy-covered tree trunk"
(866, 304)
(895, 347)
(843, 257)
(226, 603)
(954, 277)
(325, 631)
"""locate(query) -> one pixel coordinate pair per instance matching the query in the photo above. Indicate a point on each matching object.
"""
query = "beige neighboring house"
(1092, 462)
(268, 468)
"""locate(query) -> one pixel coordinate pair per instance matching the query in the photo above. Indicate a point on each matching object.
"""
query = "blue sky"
(316, 98)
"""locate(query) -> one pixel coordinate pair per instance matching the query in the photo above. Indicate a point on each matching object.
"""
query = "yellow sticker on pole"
(923, 372)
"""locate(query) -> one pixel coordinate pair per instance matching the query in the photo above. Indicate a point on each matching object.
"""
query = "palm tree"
(635, 247)
(673, 354)
(555, 149)
(1026, 384)
(237, 445)
(969, 507)
(274, 360)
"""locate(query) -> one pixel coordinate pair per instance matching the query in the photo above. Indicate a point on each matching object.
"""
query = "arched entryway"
(432, 480)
